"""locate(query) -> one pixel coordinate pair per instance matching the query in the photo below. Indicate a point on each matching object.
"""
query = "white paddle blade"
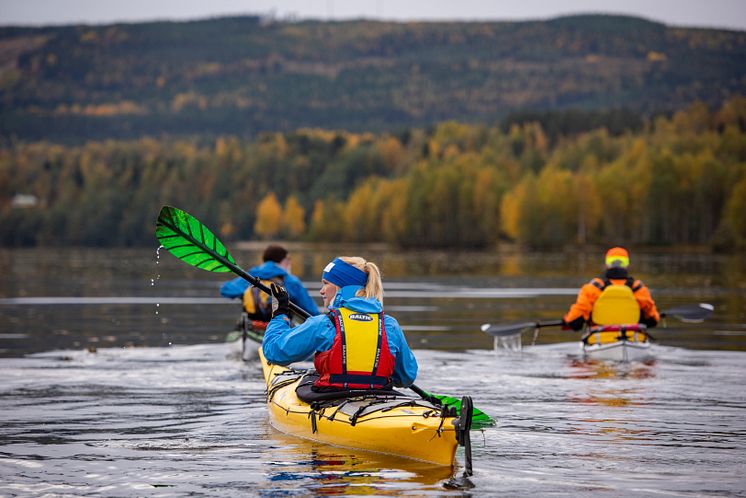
(691, 313)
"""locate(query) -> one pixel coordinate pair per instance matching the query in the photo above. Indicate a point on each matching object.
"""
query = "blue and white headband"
(343, 274)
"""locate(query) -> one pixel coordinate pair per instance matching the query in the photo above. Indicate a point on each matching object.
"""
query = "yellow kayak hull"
(415, 431)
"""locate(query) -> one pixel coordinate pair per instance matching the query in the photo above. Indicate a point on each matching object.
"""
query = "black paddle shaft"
(498, 330)
(259, 285)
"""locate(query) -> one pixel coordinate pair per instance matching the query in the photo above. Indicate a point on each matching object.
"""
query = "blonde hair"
(374, 287)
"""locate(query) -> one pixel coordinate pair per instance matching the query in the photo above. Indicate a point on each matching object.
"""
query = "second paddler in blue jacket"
(355, 345)
(275, 268)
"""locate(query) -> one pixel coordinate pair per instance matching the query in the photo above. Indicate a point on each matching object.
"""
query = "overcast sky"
(706, 13)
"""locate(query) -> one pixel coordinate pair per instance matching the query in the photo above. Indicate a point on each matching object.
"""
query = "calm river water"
(117, 382)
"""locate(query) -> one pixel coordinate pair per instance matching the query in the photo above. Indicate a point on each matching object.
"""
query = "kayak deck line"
(360, 410)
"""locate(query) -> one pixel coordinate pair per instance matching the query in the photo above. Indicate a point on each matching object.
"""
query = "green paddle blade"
(190, 241)
(479, 418)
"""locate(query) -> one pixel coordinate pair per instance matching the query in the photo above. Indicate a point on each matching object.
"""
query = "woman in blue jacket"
(355, 345)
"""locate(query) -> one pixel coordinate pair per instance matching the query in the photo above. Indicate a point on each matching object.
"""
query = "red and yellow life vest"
(359, 357)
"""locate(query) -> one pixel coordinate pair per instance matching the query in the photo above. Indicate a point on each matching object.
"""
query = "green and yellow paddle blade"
(192, 242)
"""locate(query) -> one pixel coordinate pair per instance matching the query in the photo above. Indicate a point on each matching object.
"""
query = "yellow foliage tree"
(360, 214)
(510, 213)
(293, 218)
(327, 223)
(557, 201)
(318, 215)
(392, 195)
(392, 153)
(622, 184)
(268, 217)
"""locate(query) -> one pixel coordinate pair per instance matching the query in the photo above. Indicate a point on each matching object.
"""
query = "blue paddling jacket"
(268, 270)
(283, 345)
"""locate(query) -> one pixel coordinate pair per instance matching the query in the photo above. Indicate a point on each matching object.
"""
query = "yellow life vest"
(363, 349)
(616, 305)
(258, 304)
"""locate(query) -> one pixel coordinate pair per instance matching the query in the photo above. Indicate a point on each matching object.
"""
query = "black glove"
(650, 322)
(280, 301)
(575, 325)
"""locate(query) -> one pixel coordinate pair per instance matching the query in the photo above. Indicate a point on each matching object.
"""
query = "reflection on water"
(325, 470)
(589, 368)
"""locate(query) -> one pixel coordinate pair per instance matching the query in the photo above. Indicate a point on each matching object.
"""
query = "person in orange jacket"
(617, 264)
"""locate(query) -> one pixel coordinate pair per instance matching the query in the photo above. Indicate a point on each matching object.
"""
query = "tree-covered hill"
(240, 76)
(676, 181)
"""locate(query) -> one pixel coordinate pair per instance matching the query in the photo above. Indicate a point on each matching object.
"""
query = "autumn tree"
(268, 217)
(327, 223)
(293, 218)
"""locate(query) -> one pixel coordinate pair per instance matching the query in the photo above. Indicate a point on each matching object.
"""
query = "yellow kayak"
(391, 424)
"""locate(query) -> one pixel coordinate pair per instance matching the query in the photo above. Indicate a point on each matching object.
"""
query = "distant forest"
(248, 75)
(613, 178)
